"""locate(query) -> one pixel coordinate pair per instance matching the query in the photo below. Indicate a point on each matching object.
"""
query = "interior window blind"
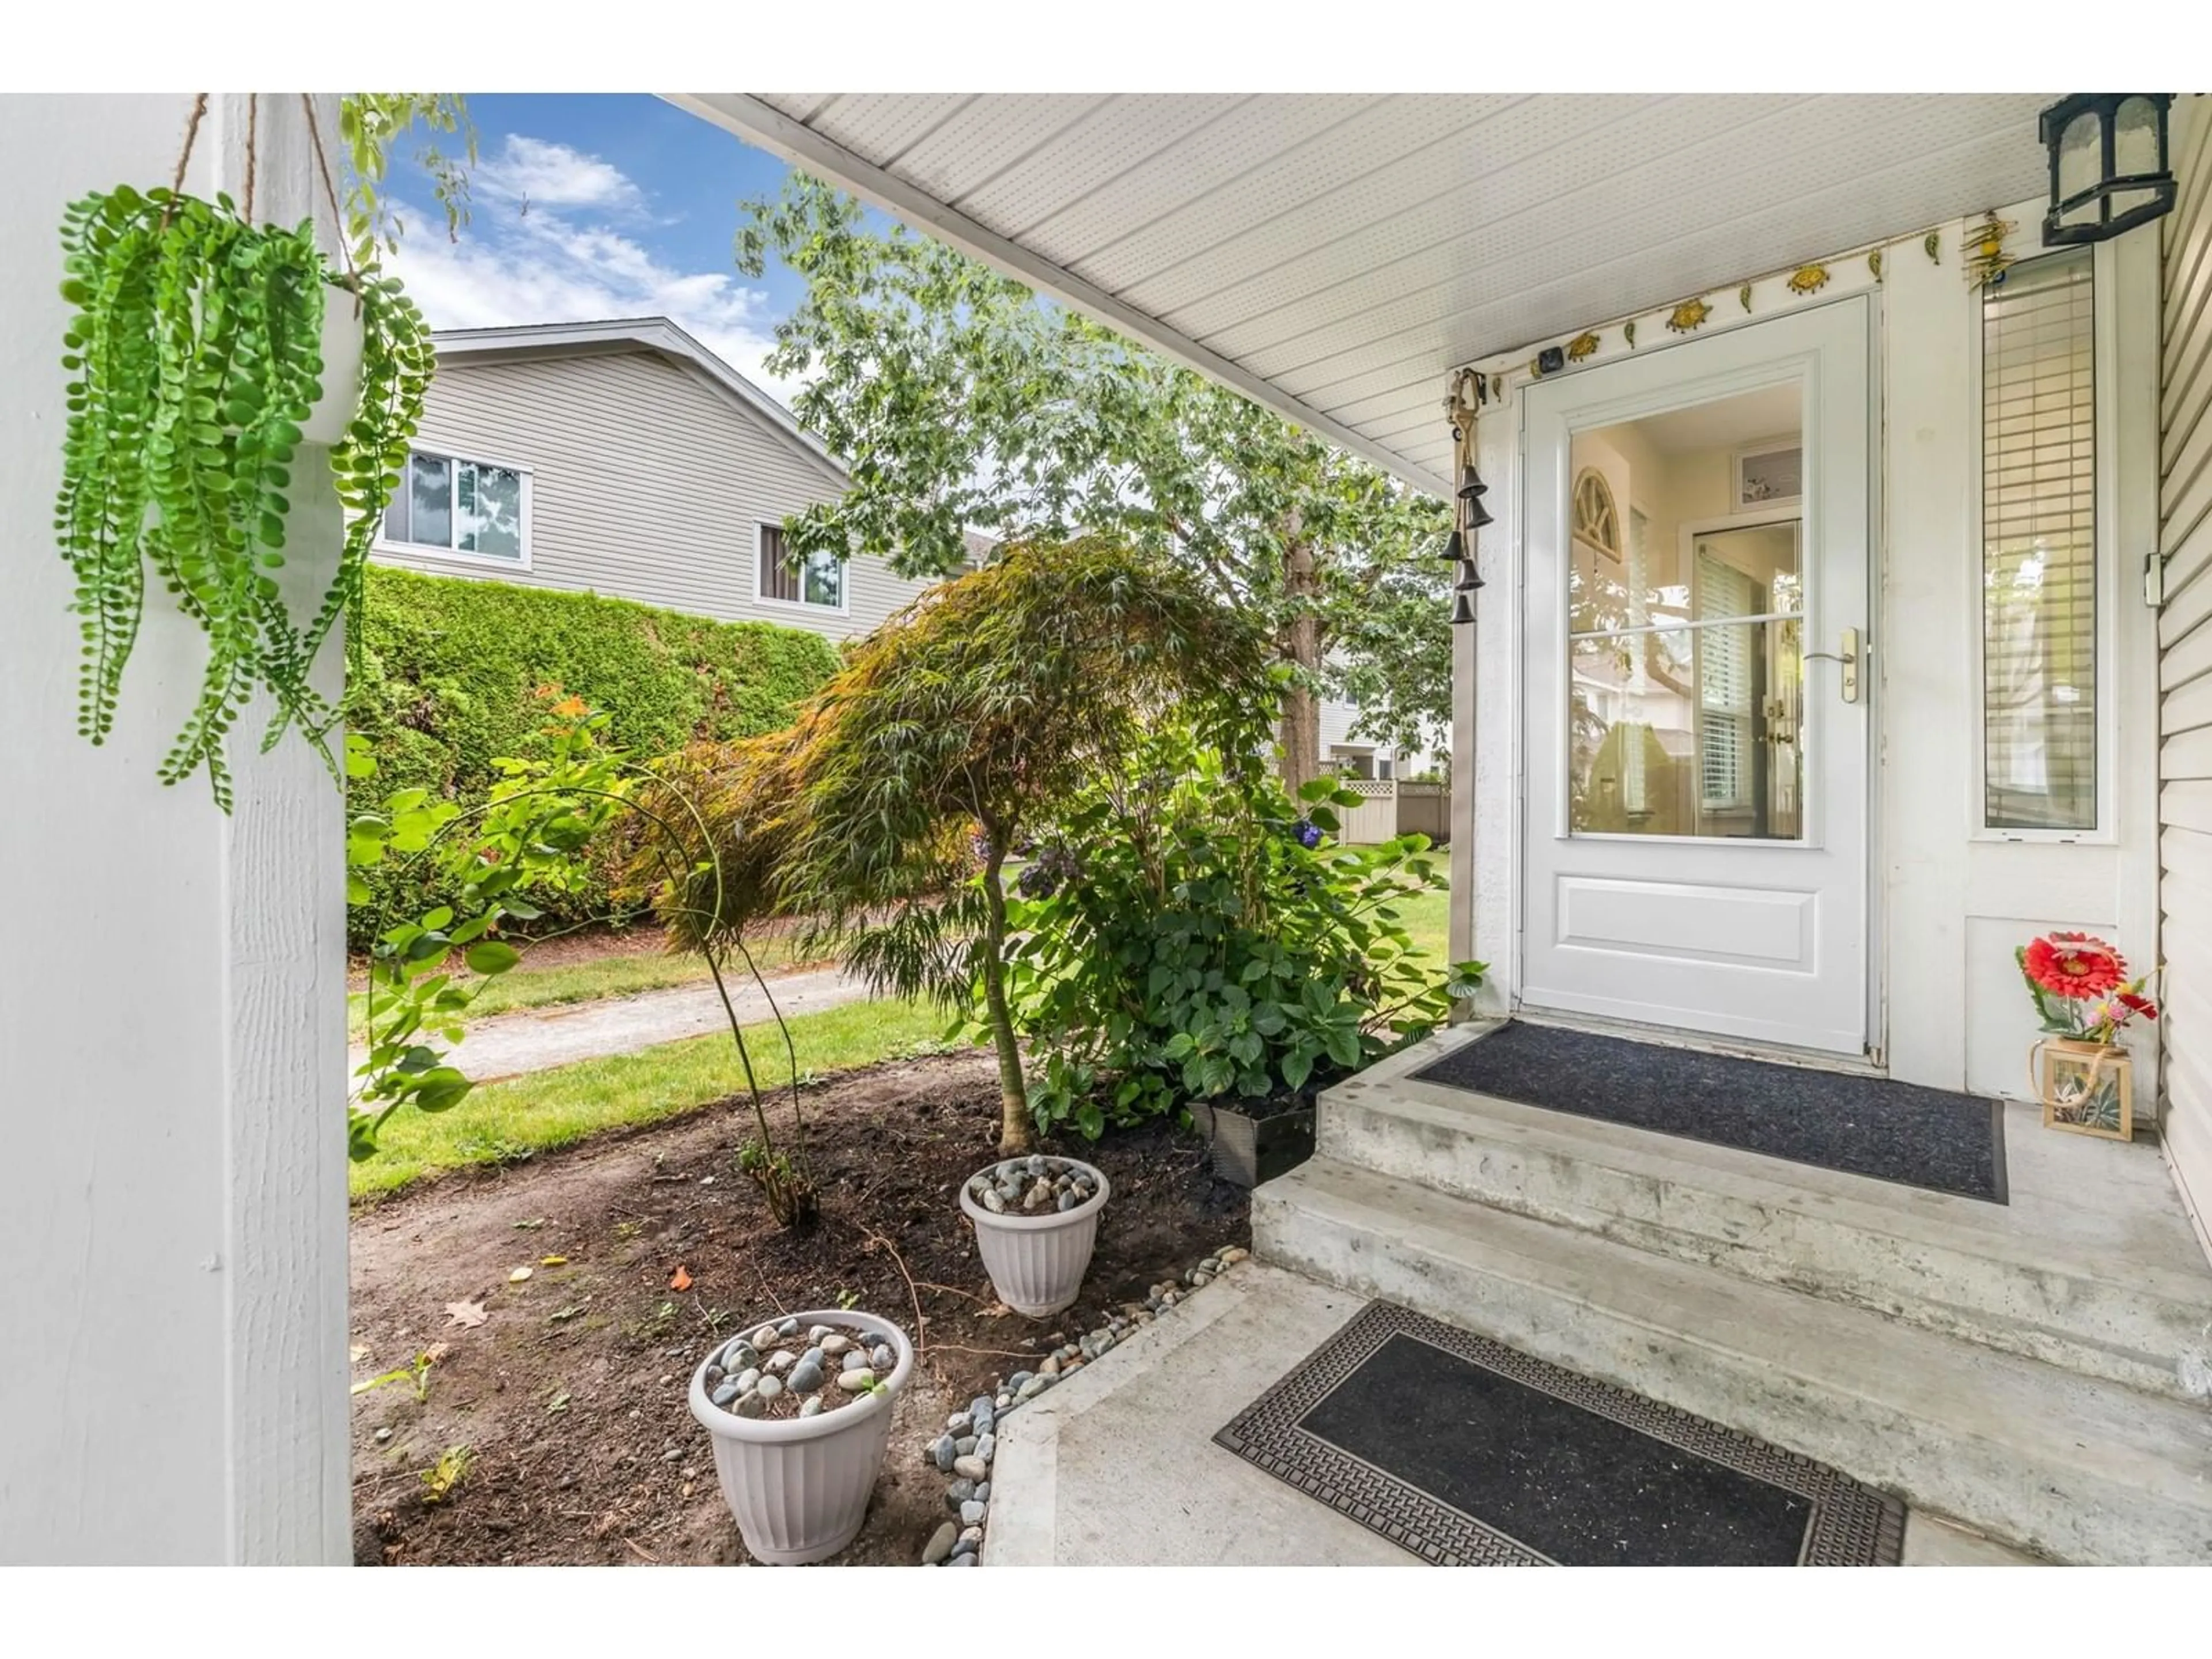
(2039, 547)
(777, 580)
(1723, 684)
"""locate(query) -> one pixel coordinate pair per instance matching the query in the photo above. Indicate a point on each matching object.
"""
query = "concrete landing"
(1117, 1466)
(2071, 1467)
(2092, 1266)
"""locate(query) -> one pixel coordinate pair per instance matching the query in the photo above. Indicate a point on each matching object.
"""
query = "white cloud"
(547, 175)
(580, 265)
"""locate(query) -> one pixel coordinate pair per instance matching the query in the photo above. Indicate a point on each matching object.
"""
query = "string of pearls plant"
(195, 358)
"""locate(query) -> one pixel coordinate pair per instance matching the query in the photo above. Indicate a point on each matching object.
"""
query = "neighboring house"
(622, 458)
(1357, 755)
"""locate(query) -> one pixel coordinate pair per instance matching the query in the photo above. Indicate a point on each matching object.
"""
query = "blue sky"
(599, 205)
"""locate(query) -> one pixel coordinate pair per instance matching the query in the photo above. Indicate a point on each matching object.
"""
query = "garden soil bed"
(570, 1394)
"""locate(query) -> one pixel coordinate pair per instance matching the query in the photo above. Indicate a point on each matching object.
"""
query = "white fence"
(1389, 808)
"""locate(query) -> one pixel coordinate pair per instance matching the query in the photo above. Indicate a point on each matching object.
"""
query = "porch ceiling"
(1336, 255)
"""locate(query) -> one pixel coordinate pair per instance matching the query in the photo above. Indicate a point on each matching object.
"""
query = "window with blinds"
(818, 579)
(2039, 547)
(1724, 684)
(779, 579)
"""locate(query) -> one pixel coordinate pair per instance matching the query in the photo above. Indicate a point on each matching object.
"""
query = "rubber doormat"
(1468, 1454)
(1864, 1125)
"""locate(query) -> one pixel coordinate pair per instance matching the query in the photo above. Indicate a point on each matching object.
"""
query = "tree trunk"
(1298, 723)
(1013, 1098)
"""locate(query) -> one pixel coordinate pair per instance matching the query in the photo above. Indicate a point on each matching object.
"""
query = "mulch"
(570, 1394)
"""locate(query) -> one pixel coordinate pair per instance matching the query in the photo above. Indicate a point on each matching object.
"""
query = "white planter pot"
(1036, 1262)
(343, 335)
(800, 1487)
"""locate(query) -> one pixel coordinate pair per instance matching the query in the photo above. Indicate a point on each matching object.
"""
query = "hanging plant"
(196, 357)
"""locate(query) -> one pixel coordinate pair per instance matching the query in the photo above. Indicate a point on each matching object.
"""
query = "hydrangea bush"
(1187, 931)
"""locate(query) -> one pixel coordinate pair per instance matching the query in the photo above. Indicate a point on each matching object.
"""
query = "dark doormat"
(1863, 1126)
(1468, 1454)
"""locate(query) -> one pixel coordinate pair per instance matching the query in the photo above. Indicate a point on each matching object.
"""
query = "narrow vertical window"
(2039, 548)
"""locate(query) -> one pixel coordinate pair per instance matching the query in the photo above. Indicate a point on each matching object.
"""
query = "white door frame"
(1761, 368)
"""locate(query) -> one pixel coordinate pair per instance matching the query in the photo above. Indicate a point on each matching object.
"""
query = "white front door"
(1694, 843)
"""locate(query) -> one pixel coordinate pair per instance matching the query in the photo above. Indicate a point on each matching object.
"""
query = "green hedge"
(450, 670)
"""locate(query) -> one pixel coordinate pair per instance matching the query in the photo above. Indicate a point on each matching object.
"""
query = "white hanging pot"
(1036, 1260)
(799, 1487)
(343, 337)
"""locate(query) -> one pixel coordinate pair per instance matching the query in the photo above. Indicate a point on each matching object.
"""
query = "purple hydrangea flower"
(1309, 834)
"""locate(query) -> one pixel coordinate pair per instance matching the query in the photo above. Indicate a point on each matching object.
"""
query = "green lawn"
(502, 1121)
(587, 981)
(1427, 918)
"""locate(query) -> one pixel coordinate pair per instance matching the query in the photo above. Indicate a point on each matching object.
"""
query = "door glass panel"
(1685, 616)
(1689, 731)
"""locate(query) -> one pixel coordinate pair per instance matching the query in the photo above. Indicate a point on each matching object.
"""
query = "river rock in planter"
(798, 1457)
(1035, 1249)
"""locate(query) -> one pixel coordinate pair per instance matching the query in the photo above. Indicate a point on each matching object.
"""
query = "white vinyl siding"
(2186, 665)
(648, 482)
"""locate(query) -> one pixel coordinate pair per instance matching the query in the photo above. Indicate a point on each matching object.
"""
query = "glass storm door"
(1694, 848)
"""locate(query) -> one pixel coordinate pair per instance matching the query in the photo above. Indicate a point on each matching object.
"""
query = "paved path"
(532, 1040)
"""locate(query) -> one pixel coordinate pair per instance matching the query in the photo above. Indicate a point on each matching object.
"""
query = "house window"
(1723, 655)
(448, 505)
(2039, 548)
(817, 579)
(1597, 522)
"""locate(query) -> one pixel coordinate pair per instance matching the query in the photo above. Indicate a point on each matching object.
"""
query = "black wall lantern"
(2109, 168)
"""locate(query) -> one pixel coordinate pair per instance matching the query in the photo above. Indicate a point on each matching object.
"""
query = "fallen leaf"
(358, 1352)
(562, 1315)
(997, 1310)
(680, 1279)
(518, 1275)
(531, 1226)
(435, 1351)
(552, 1260)
(559, 1402)
(469, 1314)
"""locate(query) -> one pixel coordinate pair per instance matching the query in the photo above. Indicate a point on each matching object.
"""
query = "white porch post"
(173, 1196)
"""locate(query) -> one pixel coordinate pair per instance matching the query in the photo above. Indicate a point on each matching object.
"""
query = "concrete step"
(2066, 1466)
(2092, 1266)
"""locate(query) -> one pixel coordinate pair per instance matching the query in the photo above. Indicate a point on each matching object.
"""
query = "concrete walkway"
(1117, 1466)
(533, 1040)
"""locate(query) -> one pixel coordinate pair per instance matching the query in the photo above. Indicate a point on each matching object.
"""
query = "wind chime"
(1468, 513)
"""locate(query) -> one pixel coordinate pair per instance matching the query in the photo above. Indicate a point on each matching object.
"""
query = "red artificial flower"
(2076, 966)
(2142, 1005)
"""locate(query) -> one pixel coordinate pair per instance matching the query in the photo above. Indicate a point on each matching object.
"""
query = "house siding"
(648, 482)
(2186, 665)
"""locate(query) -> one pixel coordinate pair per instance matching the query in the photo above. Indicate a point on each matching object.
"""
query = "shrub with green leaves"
(449, 675)
(1190, 931)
